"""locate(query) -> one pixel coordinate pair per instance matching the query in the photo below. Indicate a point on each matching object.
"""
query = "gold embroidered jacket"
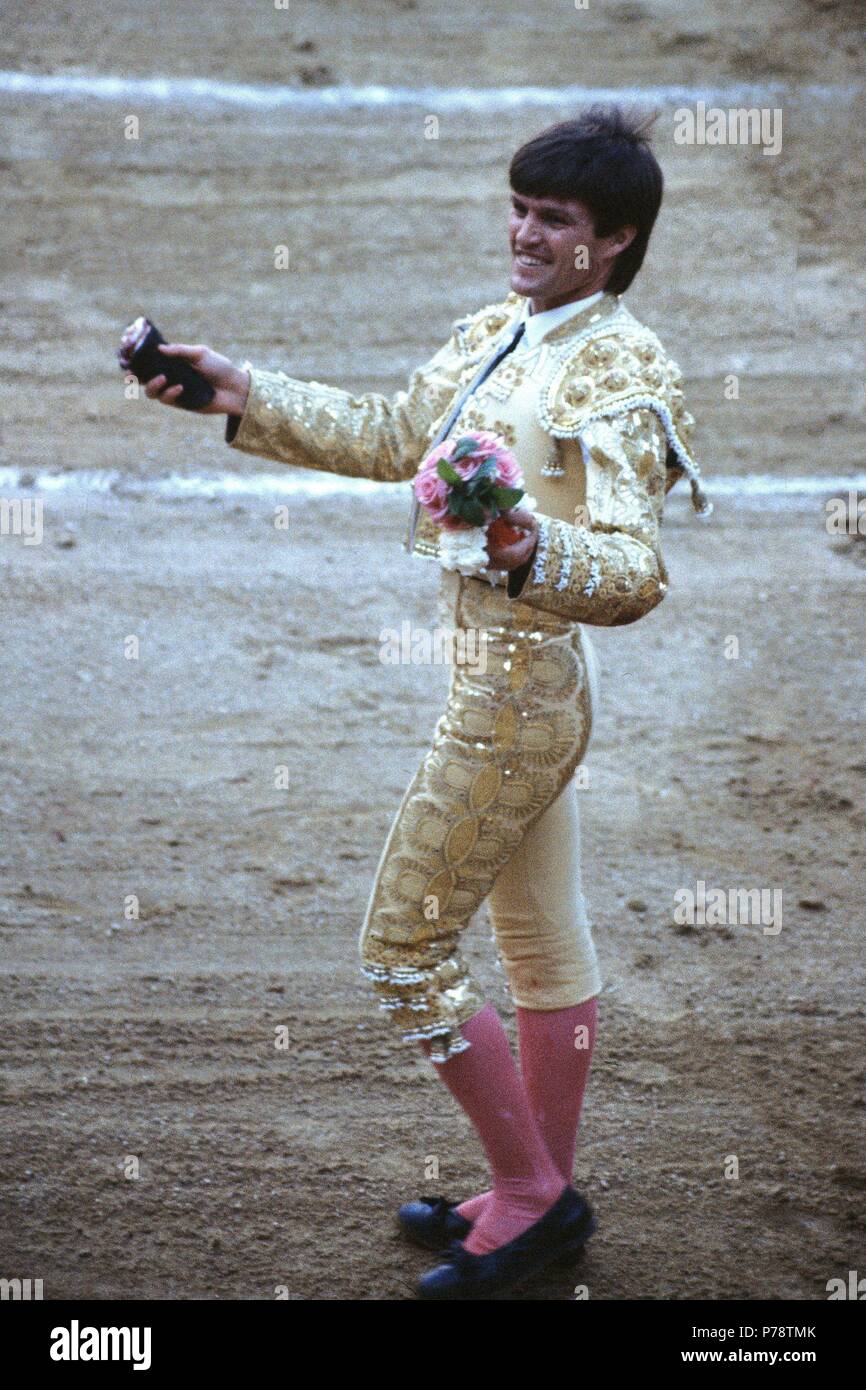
(594, 413)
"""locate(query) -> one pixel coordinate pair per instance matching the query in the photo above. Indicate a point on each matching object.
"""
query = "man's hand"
(230, 383)
(515, 554)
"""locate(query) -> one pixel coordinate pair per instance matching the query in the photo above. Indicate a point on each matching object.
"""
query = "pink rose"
(432, 491)
(490, 446)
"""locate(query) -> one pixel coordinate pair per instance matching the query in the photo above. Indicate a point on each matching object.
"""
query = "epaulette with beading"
(618, 367)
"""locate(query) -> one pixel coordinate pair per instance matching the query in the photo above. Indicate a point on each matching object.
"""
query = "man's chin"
(523, 282)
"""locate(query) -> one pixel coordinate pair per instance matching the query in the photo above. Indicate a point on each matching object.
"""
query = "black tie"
(483, 373)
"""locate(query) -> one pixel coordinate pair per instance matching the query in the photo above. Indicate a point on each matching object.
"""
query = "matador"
(592, 407)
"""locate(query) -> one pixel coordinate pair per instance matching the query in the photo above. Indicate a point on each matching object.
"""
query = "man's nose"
(529, 229)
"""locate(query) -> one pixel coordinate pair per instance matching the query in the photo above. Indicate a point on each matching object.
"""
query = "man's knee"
(548, 965)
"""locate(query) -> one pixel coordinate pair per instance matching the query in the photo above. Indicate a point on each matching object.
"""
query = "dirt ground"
(154, 1040)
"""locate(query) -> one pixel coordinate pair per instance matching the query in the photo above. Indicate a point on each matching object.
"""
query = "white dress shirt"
(537, 325)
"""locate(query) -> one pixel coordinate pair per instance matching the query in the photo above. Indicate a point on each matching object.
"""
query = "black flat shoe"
(562, 1230)
(433, 1222)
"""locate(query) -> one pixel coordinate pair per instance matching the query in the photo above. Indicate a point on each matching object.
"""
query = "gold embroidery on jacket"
(596, 397)
(471, 418)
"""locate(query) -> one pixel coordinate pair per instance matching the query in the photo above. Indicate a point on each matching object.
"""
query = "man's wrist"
(239, 391)
(518, 577)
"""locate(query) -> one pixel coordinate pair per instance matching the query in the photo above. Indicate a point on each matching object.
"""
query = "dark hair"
(603, 160)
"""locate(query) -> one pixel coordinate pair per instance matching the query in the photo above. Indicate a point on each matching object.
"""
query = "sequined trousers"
(491, 814)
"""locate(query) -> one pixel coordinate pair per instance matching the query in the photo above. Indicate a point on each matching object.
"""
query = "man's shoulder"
(605, 363)
(606, 370)
(474, 330)
(613, 322)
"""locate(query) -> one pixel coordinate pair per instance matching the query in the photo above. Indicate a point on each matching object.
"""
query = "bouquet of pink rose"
(467, 485)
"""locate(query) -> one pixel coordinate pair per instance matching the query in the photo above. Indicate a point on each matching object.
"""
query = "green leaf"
(506, 497)
(474, 513)
(450, 475)
(475, 486)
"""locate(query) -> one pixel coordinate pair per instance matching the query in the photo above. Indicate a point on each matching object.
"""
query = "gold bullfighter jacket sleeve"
(359, 436)
(606, 568)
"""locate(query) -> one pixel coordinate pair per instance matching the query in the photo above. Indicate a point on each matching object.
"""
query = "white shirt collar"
(538, 325)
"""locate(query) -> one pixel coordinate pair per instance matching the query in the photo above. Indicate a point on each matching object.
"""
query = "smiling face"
(547, 236)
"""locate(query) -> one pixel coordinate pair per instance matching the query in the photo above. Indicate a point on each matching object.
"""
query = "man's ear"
(621, 238)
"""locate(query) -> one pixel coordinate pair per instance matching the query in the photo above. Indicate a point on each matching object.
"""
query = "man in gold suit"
(592, 406)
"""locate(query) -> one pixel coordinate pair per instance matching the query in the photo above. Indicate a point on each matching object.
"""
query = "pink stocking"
(555, 1054)
(486, 1084)
(556, 1048)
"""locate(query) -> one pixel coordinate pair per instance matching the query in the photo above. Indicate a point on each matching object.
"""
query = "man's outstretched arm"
(362, 436)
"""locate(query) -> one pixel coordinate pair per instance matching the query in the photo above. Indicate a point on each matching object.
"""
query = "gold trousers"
(491, 813)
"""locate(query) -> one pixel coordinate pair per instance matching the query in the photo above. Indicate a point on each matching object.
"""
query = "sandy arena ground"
(259, 647)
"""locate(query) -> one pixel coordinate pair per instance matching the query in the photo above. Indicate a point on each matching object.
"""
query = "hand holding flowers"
(470, 486)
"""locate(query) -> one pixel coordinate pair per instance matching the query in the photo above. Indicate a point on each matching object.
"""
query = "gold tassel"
(552, 466)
